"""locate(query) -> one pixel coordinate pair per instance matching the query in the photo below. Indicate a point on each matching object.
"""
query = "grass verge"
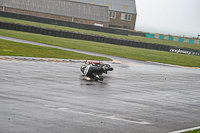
(130, 37)
(10, 48)
(116, 50)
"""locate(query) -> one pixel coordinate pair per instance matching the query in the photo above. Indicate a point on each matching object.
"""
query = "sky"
(174, 17)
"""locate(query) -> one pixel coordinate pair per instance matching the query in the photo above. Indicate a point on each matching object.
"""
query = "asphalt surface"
(48, 96)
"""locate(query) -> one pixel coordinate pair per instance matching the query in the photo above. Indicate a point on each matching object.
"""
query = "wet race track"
(51, 96)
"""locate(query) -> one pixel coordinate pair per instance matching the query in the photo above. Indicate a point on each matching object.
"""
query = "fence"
(102, 39)
(172, 38)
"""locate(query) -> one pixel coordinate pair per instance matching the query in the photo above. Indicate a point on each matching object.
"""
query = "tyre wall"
(63, 23)
(102, 39)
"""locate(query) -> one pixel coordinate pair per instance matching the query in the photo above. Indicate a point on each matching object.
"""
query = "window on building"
(109, 5)
(125, 7)
(92, 1)
(125, 16)
(112, 14)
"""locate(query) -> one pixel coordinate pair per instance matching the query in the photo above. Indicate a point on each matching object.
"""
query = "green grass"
(130, 37)
(116, 50)
(20, 49)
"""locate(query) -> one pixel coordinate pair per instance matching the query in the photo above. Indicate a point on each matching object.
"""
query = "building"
(122, 13)
(59, 9)
(113, 13)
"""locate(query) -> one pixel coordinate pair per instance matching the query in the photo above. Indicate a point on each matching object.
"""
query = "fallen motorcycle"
(93, 70)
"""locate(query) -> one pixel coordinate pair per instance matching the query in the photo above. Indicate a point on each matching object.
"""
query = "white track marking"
(186, 130)
(105, 116)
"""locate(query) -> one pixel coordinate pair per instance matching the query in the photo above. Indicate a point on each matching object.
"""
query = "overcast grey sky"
(175, 17)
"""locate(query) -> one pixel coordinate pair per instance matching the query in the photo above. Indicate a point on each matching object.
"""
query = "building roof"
(60, 7)
(128, 6)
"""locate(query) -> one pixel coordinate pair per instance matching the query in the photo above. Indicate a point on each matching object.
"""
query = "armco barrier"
(63, 23)
(102, 39)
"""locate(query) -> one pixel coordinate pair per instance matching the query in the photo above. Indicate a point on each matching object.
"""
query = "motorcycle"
(93, 70)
